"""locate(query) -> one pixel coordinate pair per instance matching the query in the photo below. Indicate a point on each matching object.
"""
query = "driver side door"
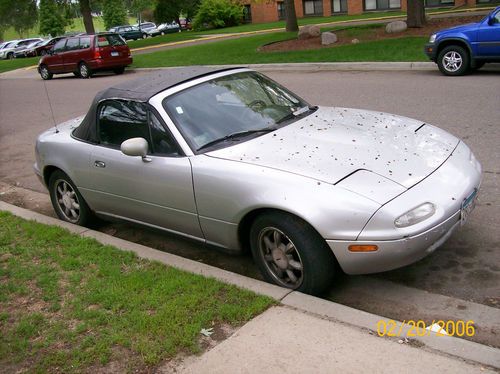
(489, 37)
(156, 190)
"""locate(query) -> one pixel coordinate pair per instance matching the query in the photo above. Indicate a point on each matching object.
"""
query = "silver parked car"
(231, 158)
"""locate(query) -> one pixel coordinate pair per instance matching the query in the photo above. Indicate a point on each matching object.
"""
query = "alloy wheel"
(452, 61)
(67, 200)
(281, 257)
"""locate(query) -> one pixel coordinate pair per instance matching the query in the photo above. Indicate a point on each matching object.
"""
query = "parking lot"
(446, 284)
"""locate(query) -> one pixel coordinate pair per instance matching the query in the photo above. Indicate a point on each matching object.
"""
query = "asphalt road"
(467, 267)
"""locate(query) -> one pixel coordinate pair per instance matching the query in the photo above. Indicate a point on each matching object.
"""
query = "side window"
(496, 19)
(102, 41)
(72, 44)
(121, 120)
(163, 142)
(59, 46)
(84, 42)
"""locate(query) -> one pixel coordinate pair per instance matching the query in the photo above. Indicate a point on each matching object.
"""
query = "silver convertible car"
(231, 158)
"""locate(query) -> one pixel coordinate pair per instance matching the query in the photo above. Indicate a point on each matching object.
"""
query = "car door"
(70, 55)
(55, 62)
(158, 190)
(489, 37)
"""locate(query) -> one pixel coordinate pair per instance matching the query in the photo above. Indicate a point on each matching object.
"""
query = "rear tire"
(453, 61)
(45, 73)
(119, 71)
(84, 71)
(67, 201)
(144, 36)
(291, 254)
(10, 56)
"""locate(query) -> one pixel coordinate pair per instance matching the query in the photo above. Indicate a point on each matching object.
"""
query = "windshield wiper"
(233, 136)
(296, 113)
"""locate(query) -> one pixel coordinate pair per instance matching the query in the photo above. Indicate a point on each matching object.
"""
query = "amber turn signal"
(363, 248)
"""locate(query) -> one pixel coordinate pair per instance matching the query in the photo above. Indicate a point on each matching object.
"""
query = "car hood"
(333, 143)
(466, 27)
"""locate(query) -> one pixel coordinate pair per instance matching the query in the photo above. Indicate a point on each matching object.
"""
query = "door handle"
(99, 164)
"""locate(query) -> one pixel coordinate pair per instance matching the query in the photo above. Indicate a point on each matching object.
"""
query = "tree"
(24, 15)
(416, 13)
(52, 21)
(20, 14)
(87, 16)
(113, 13)
(166, 11)
(218, 13)
(291, 16)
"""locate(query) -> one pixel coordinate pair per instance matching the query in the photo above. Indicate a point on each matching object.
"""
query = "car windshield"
(232, 108)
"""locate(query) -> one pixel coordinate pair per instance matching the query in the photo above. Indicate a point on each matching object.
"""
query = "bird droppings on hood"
(336, 141)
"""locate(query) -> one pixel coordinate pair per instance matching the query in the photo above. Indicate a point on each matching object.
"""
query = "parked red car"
(85, 54)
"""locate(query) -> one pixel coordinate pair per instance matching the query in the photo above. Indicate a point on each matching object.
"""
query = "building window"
(431, 3)
(313, 7)
(382, 4)
(281, 10)
(247, 13)
(339, 6)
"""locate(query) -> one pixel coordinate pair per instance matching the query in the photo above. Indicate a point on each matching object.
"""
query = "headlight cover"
(416, 215)
(432, 39)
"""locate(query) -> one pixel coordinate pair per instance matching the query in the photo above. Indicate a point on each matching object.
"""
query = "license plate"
(114, 54)
(468, 206)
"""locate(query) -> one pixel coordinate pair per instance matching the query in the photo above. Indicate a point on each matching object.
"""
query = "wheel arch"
(48, 171)
(247, 220)
(455, 41)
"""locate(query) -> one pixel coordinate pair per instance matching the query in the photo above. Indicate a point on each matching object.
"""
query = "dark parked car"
(28, 50)
(185, 24)
(129, 32)
(458, 49)
(43, 48)
(86, 54)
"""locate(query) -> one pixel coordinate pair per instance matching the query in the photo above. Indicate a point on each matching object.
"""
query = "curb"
(457, 347)
(321, 66)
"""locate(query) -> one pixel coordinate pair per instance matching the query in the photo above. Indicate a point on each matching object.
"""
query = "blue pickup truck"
(458, 50)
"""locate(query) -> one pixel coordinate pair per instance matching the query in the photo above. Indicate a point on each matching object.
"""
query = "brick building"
(257, 11)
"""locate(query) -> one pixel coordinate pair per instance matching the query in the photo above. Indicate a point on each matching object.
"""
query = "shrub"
(218, 14)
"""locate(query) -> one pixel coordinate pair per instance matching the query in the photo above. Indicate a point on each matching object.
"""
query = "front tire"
(453, 61)
(291, 254)
(45, 73)
(67, 201)
(84, 71)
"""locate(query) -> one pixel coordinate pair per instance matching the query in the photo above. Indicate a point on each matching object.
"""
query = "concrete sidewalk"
(284, 340)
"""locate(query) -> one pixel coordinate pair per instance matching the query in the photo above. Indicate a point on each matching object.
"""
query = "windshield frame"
(200, 149)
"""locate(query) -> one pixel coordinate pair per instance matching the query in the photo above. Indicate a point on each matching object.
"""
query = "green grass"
(70, 304)
(17, 63)
(244, 51)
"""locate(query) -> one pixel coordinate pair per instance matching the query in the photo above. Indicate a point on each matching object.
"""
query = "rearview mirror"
(135, 147)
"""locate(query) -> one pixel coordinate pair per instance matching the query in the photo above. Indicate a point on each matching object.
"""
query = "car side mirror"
(136, 147)
(491, 20)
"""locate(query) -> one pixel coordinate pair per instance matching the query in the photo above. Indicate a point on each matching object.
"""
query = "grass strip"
(245, 51)
(71, 304)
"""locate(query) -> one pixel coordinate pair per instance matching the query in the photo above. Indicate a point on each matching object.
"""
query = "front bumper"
(393, 254)
(446, 188)
(430, 50)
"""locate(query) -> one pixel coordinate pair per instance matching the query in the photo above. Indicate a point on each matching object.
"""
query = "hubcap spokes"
(67, 201)
(281, 257)
(452, 61)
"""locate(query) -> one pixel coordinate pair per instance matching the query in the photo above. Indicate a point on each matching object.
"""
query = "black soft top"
(140, 89)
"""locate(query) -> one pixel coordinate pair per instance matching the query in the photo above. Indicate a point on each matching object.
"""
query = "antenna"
(50, 105)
